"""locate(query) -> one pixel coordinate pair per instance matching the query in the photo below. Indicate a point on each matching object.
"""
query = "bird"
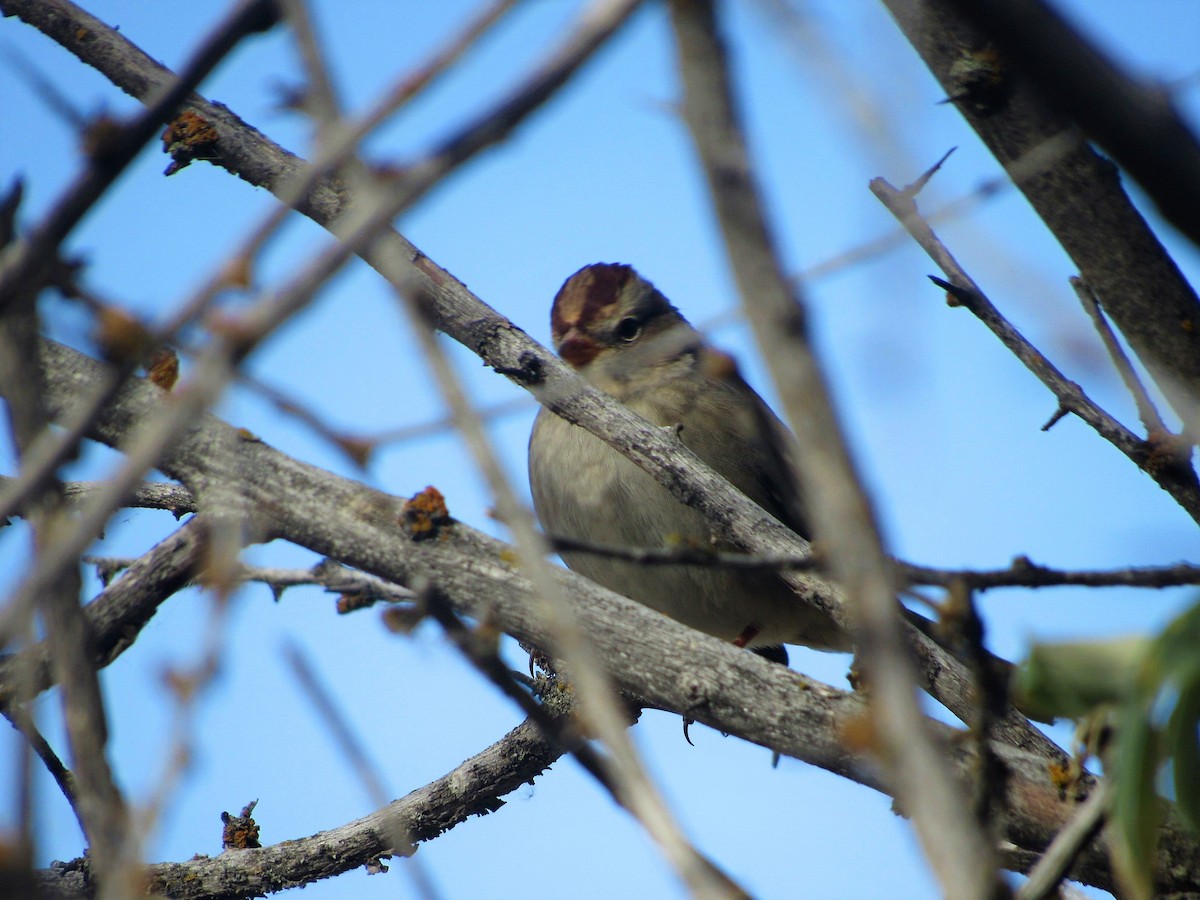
(624, 337)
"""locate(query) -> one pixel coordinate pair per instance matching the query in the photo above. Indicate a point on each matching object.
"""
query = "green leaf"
(1183, 746)
(1137, 809)
(1071, 679)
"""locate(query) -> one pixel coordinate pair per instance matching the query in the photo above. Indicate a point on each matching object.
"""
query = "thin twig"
(22, 721)
(1056, 862)
(117, 614)
(1027, 574)
(687, 556)
(1178, 480)
(624, 775)
(1022, 573)
(319, 97)
(352, 749)
(1147, 411)
(962, 857)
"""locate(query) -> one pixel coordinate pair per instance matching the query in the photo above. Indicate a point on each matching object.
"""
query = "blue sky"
(945, 423)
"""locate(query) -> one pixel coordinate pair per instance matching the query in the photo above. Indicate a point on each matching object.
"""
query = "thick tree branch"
(1077, 193)
(503, 346)
(1135, 121)
(670, 666)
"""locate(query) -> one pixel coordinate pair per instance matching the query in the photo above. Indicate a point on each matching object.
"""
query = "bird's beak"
(577, 348)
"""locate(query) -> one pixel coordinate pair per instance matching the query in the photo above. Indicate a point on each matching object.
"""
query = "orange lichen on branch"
(189, 136)
(240, 832)
(425, 514)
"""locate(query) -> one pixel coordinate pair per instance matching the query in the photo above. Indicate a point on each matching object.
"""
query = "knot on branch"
(527, 372)
(980, 81)
(1167, 453)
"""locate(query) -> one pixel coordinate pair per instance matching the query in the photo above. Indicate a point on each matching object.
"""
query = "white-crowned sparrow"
(624, 337)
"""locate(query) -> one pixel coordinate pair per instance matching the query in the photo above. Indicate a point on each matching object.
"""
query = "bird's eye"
(628, 328)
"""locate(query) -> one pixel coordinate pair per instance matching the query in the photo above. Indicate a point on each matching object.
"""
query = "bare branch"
(672, 667)
(962, 857)
(116, 615)
(1145, 406)
(1076, 192)
(1174, 475)
(22, 721)
(1135, 121)
(474, 788)
(1024, 573)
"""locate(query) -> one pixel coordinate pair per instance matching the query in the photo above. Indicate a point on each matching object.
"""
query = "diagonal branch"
(117, 613)
(1172, 472)
(501, 344)
(1135, 121)
(1077, 193)
(474, 788)
(670, 666)
(1147, 411)
(841, 511)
